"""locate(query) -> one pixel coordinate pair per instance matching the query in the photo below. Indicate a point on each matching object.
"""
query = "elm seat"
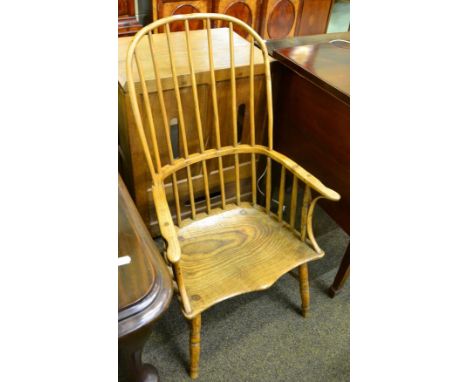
(234, 251)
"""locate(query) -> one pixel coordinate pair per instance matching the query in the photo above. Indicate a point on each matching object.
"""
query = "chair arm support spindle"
(169, 234)
(166, 225)
(310, 232)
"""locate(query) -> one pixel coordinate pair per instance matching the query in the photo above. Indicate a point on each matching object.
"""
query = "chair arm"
(166, 225)
(305, 176)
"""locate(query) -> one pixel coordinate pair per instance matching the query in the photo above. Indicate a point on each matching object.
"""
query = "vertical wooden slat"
(191, 194)
(137, 114)
(252, 95)
(234, 109)
(292, 217)
(197, 116)
(252, 121)
(181, 117)
(161, 98)
(269, 97)
(268, 186)
(207, 187)
(149, 113)
(233, 85)
(254, 179)
(177, 91)
(175, 189)
(194, 88)
(167, 132)
(221, 182)
(236, 168)
(214, 98)
(281, 194)
(305, 203)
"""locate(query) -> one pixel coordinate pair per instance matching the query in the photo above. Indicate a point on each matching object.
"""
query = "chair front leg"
(195, 328)
(304, 286)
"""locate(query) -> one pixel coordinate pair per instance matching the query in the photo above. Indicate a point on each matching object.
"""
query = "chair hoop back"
(179, 68)
(143, 112)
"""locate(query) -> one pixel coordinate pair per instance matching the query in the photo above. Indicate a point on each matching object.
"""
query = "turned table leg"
(304, 286)
(341, 275)
(195, 346)
(131, 367)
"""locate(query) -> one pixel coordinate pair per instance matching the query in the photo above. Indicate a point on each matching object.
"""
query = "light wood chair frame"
(161, 172)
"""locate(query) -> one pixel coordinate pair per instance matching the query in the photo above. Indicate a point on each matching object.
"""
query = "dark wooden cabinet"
(272, 19)
(128, 23)
(312, 116)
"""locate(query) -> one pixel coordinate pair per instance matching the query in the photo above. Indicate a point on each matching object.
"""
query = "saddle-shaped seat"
(234, 251)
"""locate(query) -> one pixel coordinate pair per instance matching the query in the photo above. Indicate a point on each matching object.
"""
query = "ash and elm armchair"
(238, 245)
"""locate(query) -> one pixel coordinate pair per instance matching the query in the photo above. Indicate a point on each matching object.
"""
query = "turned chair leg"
(304, 284)
(195, 345)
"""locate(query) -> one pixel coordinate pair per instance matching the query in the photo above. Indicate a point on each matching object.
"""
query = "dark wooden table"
(145, 290)
(312, 98)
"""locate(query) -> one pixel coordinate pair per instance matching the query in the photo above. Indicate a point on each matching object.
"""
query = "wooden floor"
(237, 250)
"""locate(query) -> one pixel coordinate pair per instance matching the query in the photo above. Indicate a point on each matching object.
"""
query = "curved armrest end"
(326, 192)
(173, 250)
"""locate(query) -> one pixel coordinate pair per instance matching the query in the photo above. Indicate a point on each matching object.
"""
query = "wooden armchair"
(235, 247)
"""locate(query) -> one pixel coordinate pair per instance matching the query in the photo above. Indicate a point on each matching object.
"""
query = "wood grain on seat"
(234, 251)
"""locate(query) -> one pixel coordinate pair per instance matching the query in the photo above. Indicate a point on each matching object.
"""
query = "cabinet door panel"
(170, 8)
(315, 16)
(245, 10)
(124, 7)
(280, 18)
